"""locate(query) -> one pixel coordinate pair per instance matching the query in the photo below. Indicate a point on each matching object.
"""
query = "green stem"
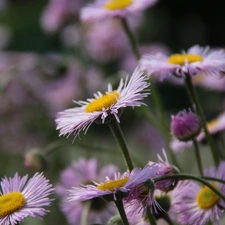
(119, 205)
(183, 176)
(167, 218)
(150, 217)
(194, 98)
(118, 134)
(213, 179)
(198, 157)
(86, 210)
(132, 39)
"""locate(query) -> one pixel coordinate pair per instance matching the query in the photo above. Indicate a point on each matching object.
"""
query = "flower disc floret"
(206, 198)
(11, 202)
(112, 185)
(103, 102)
(182, 59)
(117, 4)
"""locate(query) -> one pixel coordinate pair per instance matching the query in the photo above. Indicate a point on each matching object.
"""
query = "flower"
(129, 93)
(102, 9)
(214, 126)
(20, 198)
(196, 60)
(195, 204)
(185, 125)
(112, 189)
(84, 171)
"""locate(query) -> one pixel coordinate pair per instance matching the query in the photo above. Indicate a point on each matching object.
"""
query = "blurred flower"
(106, 41)
(3, 4)
(129, 93)
(185, 125)
(214, 126)
(84, 172)
(102, 9)
(57, 13)
(195, 204)
(129, 61)
(20, 198)
(196, 60)
(34, 160)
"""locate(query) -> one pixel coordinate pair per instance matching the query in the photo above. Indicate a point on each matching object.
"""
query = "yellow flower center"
(182, 58)
(111, 185)
(212, 124)
(117, 4)
(10, 203)
(206, 198)
(104, 101)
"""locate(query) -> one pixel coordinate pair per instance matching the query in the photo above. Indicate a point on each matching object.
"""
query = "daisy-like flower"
(84, 171)
(20, 198)
(196, 60)
(195, 204)
(113, 188)
(102, 9)
(214, 126)
(128, 93)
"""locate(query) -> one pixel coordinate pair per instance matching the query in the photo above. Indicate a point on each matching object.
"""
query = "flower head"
(196, 60)
(214, 126)
(185, 125)
(102, 9)
(20, 198)
(84, 171)
(129, 93)
(195, 204)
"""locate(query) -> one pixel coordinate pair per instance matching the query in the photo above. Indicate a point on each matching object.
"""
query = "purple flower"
(20, 198)
(196, 60)
(83, 172)
(128, 93)
(101, 9)
(185, 125)
(195, 204)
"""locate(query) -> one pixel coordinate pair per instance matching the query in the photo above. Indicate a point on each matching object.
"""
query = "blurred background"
(48, 58)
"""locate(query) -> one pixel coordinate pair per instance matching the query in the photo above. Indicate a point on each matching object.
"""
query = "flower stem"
(198, 157)
(119, 205)
(85, 212)
(156, 97)
(118, 134)
(195, 100)
(150, 217)
(213, 179)
(131, 37)
(183, 176)
(167, 218)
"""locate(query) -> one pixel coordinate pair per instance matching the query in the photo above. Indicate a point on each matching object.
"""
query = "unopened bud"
(185, 125)
(115, 220)
(34, 160)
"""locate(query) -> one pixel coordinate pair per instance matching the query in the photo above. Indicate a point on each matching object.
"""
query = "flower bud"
(185, 125)
(115, 220)
(34, 160)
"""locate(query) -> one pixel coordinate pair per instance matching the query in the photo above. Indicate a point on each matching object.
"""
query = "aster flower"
(195, 204)
(214, 126)
(128, 93)
(84, 171)
(186, 125)
(20, 198)
(119, 186)
(102, 9)
(196, 60)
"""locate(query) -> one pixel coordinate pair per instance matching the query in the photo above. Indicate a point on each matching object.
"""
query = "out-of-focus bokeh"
(48, 58)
